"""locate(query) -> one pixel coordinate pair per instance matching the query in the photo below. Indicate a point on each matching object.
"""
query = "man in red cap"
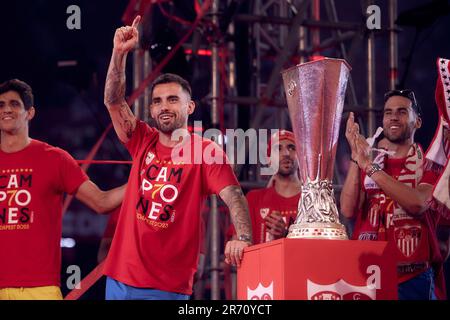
(274, 208)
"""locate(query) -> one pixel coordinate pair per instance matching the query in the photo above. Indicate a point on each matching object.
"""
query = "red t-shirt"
(263, 202)
(32, 184)
(114, 217)
(112, 223)
(383, 219)
(157, 239)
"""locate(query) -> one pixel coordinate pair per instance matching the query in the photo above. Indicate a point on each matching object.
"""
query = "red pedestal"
(301, 269)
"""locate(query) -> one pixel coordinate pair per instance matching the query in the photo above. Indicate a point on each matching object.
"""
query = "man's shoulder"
(44, 146)
(204, 141)
(49, 150)
(145, 127)
(143, 136)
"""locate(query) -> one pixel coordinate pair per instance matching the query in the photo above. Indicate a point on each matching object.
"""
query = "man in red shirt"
(33, 179)
(274, 208)
(390, 196)
(156, 243)
(438, 154)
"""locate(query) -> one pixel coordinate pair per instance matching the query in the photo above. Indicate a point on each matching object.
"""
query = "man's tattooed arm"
(125, 40)
(123, 119)
(237, 204)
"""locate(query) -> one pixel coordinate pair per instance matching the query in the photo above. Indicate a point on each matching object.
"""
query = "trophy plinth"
(315, 93)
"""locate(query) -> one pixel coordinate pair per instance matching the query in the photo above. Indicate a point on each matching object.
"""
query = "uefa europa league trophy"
(315, 93)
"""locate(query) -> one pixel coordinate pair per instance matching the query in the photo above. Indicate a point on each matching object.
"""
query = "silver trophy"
(315, 93)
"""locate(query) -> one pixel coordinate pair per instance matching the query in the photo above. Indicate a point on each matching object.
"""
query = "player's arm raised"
(124, 121)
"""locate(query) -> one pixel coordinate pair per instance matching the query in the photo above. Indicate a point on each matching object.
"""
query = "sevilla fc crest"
(261, 292)
(408, 239)
(264, 212)
(340, 290)
(150, 157)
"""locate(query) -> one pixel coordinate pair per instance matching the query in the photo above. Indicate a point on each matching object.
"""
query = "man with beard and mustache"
(274, 208)
(391, 196)
(157, 240)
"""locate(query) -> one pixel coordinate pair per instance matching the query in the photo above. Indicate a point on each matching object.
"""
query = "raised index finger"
(136, 22)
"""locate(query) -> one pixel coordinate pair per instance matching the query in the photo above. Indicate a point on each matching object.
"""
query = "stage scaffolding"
(281, 33)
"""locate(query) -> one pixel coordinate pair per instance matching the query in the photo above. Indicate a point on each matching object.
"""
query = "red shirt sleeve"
(143, 132)
(217, 176)
(71, 175)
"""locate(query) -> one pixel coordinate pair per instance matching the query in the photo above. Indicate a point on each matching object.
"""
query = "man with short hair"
(157, 240)
(438, 155)
(274, 208)
(33, 179)
(390, 196)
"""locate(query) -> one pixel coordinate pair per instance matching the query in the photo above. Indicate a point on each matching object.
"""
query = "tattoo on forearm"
(115, 81)
(115, 95)
(126, 123)
(236, 202)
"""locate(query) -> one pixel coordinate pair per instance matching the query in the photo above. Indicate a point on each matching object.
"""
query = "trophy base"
(316, 230)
